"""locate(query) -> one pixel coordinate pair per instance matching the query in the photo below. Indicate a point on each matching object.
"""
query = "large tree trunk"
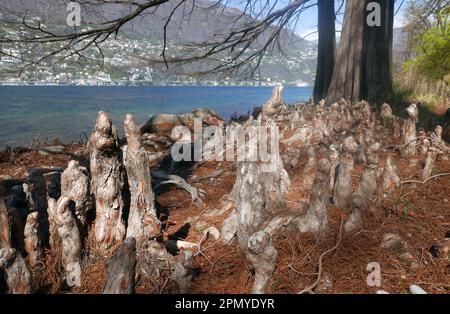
(108, 179)
(347, 72)
(377, 80)
(327, 49)
(142, 220)
(364, 58)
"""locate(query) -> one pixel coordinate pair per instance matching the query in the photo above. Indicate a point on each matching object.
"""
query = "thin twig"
(310, 288)
(429, 179)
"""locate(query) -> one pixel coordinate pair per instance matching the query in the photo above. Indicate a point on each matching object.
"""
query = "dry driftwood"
(70, 238)
(108, 179)
(409, 131)
(33, 244)
(121, 269)
(262, 254)
(142, 220)
(343, 185)
(316, 219)
(18, 277)
(75, 185)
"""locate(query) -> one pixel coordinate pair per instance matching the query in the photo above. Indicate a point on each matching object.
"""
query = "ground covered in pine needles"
(420, 214)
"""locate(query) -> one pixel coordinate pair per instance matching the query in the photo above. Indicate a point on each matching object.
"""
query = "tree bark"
(70, 239)
(377, 67)
(120, 269)
(36, 191)
(343, 186)
(316, 220)
(364, 57)
(347, 72)
(108, 179)
(409, 131)
(391, 179)
(262, 254)
(33, 244)
(326, 48)
(75, 185)
(17, 208)
(5, 230)
(142, 220)
(18, 277)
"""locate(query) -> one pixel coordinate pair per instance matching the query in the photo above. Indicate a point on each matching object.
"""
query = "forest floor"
(420, 215)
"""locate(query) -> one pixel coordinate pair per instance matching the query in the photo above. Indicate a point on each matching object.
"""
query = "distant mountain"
(192, 23)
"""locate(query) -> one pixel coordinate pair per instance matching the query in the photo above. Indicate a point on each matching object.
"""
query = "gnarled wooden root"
(163, 178)
(76, 186)
(262, 254)
(33, 244)
(142, 220)
(18, 277)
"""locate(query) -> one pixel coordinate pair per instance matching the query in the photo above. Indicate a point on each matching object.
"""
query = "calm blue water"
(64, 112)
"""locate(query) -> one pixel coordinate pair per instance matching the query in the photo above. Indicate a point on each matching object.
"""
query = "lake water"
(64, 112)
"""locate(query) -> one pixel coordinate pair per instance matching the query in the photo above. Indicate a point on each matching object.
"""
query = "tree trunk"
(108, 179)
(347, 72)
(326, 48)
(364, 57)
(142, 220)
(377, 67)
(120, 269)
(5, 230)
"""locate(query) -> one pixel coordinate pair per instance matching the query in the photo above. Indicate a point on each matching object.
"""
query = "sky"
(307, 24)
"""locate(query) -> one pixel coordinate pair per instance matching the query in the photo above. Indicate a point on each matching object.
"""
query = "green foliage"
(433, 50)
